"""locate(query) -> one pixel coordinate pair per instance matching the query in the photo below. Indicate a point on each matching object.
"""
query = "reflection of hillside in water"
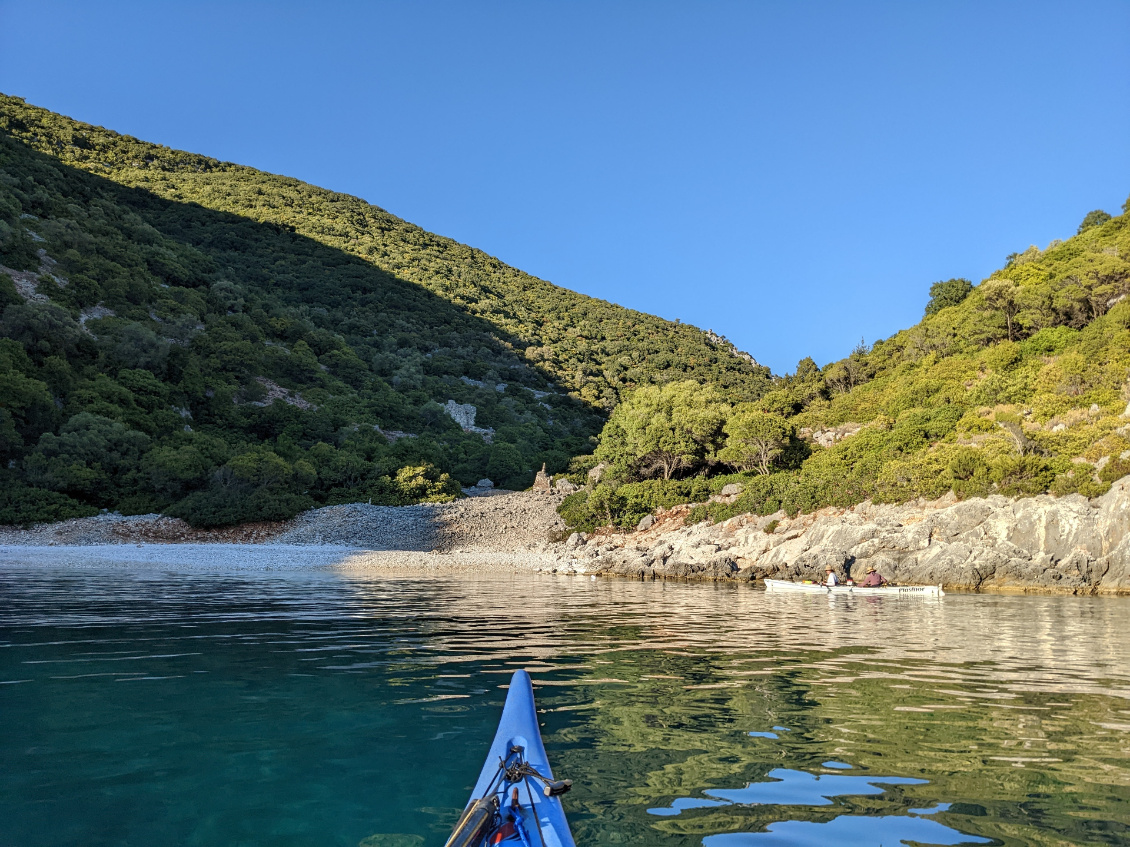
(1015, 710)
(1019, 640)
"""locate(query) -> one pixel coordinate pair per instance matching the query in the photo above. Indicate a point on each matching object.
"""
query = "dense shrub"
(24, 505)
(226, 505)
(1114, 470)
(1002, 388)
(951, 292)
(189, 294)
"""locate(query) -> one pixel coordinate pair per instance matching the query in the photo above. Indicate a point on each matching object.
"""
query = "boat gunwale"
(862, 590)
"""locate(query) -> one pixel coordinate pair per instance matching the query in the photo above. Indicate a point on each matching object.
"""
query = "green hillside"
(197, 337)
(1017, 386)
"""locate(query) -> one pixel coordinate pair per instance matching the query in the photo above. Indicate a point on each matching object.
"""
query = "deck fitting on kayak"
(496, 813)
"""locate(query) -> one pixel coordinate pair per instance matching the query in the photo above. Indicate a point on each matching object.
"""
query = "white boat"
(820, 588)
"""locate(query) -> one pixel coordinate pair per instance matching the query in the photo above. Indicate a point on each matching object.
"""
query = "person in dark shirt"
(873, 579)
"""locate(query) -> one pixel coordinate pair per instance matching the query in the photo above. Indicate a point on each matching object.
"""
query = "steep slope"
(1017, 386)
(185, 334)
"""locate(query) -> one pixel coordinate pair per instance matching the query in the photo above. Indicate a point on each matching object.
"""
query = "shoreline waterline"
(306, 558)
(1037, 545)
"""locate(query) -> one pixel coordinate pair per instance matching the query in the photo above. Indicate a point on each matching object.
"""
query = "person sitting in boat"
(830, 577)
(873, 579)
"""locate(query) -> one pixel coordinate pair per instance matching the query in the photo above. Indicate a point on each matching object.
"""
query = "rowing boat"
(516, 800)
(820, 588)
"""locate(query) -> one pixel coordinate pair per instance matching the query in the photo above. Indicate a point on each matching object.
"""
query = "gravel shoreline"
(281, 558)
(488, 532)
(1038, 544)
(501, 521)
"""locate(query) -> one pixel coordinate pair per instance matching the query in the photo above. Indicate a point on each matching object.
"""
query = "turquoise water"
(163, 700)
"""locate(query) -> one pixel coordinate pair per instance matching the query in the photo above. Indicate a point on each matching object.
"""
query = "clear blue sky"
(792, 175)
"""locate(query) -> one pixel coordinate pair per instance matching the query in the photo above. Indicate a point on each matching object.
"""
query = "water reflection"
(790, 788)
(847, 831)
(332, 705)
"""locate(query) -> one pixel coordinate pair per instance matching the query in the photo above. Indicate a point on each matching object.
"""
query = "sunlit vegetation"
(189, 336)
(1017, 386)
(199, 338)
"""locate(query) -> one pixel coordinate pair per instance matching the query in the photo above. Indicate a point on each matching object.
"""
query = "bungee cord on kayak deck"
(488, 820)
(484, 818)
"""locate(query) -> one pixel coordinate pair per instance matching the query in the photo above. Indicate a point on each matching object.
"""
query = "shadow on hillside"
(331, 288)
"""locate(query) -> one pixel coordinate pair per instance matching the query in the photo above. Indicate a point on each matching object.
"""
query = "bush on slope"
(191, 336)
(1018, 386)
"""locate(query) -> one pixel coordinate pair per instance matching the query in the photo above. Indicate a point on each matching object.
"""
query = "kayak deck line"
(516, 800)
(865, 590)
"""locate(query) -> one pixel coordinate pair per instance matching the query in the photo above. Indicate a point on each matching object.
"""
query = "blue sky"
(792, 175)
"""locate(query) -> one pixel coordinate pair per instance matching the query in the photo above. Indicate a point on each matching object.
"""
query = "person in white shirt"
(830, 580)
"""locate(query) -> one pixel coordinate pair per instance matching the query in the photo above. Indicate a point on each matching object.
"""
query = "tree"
(754, 439)
(26, 407)
(948, 293)
(806, 368)
(1013, 425)
(846, 374)
(1094, 218)
(505, 464)
(425, 484)
(1002, 295)
(91, 457)
(175, 470)
(662, 430)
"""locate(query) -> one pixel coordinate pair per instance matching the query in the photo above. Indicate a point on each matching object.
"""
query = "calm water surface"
(150, 698)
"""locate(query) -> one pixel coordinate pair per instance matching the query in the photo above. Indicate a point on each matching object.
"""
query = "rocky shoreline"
(1039, 544)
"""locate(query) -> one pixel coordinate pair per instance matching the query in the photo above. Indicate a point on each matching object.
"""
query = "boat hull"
(518, 727)
(881, 591)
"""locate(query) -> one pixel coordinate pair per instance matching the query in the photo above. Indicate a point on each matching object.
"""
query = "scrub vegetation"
(194, 337)
(1017, 386)
(189, 336)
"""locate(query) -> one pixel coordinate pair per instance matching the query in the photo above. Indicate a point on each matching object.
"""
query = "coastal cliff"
(1045, 544)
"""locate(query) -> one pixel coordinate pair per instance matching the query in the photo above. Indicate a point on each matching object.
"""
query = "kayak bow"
(516, 799)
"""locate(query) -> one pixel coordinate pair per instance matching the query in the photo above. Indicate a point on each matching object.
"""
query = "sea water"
(193, 697)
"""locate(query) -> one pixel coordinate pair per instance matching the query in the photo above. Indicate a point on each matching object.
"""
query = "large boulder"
(1113, 525)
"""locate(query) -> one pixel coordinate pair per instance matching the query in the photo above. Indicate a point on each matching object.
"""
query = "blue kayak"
(516, 800)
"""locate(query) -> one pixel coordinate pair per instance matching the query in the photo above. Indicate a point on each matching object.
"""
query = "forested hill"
(198, 337)
(1017, 386)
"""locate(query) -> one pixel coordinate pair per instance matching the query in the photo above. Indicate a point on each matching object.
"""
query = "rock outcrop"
(543, 482)
(1063, 545)
(464, 415)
